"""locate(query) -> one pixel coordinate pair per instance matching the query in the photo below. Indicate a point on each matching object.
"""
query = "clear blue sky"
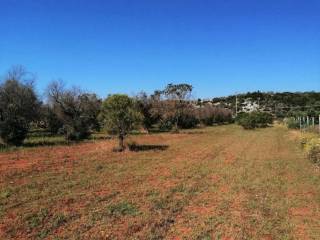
(219, 46)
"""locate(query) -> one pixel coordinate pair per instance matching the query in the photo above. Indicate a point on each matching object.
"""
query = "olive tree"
(19, 106)
(120, 116)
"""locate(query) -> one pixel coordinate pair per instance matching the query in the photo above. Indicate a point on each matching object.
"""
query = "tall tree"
(19, 105)
(177, 94)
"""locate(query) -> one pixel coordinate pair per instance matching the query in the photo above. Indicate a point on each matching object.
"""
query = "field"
(214, 183)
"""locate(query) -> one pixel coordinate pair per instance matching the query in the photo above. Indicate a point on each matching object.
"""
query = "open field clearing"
(216, 183)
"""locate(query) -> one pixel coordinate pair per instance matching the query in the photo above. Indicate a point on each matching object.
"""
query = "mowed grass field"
(215, 183)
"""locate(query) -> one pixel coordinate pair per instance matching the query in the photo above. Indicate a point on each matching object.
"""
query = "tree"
(120, 116)
(145, 104)
(78, 111)
(19, 106)
(177, 94)
(49, 119)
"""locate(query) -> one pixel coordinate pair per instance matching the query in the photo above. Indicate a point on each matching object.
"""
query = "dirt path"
(219, 183)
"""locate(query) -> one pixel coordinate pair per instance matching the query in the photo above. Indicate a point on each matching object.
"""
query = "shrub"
(209, 115)
(76, 110)
(165, 124)
(292, 123)
(312, 148)
(188, 117)
(246, 121)
(254, 120)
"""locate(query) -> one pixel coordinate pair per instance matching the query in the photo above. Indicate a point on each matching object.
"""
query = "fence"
(308, 123)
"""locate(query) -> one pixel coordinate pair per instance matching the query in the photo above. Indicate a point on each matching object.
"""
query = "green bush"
(292, 123)
(254, 120)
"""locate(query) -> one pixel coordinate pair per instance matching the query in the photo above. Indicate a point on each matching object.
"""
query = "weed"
(43, 233)
(122, 209)
(6, 193)
(58, 221)
(36, 219)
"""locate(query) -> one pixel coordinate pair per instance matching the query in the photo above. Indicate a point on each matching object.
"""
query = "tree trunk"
(176, 128)
(121, 142)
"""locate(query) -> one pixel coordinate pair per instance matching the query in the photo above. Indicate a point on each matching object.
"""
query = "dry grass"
(220, 183)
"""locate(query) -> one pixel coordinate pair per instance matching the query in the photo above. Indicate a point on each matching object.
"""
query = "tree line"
(76, 114)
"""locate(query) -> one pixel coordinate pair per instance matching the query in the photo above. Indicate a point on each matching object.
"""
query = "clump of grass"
(122, 209)
(59, 220)
(44, 222)
(36, 219)
(6, 193)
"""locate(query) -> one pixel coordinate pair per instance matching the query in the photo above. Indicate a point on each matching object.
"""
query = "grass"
(218, 183)
(122, 209)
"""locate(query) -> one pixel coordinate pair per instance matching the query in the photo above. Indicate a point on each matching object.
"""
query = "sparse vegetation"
(222, 182)
(122, 209)
(137, 140)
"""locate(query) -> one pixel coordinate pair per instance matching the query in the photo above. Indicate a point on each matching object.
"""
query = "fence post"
(313, 122)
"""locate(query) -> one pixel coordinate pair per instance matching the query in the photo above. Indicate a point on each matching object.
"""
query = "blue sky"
(219, 46)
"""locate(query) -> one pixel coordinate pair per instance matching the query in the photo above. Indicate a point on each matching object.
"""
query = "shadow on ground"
(147, 147)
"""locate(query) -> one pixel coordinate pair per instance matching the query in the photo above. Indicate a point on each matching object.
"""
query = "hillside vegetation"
(280, 104)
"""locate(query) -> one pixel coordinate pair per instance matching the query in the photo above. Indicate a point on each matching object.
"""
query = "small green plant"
(5, 194)
(59, 220)
(122, 209)
(37, 219)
